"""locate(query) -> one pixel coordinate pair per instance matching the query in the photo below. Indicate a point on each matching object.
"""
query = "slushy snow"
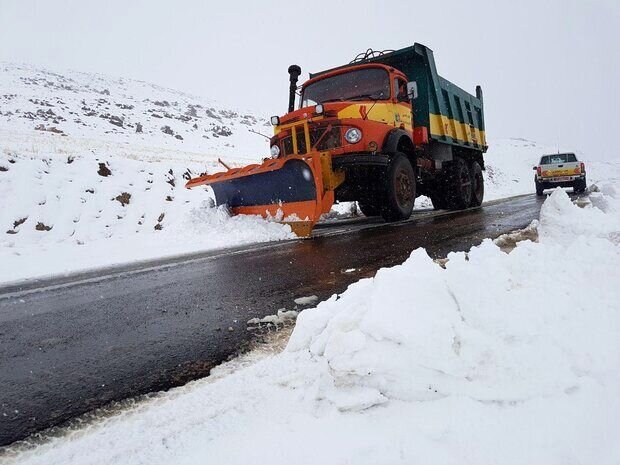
(306, 300)
(492, 358)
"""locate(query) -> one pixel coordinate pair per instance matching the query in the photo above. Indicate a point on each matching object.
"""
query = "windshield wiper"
(371, 97)
(366, 96)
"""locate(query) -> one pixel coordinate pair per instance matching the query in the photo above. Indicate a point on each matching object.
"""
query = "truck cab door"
(402, 107)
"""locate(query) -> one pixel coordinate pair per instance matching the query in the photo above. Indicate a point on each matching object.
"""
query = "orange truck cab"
(395, 136)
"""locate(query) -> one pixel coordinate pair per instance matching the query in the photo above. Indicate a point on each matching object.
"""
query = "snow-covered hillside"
(92, 171)
(126, 112)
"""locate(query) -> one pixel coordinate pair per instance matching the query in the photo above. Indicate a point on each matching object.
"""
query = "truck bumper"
(550, 183)
(349, 160)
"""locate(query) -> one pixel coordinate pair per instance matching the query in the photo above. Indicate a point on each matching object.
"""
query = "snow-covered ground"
(74, 210)
(92, 172)
(488, 358)
(83, 187)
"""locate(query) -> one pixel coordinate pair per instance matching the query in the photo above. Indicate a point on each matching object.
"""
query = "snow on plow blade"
(294, 190)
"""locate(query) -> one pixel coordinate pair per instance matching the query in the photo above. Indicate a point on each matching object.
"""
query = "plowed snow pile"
(496, 358)
(82, 211)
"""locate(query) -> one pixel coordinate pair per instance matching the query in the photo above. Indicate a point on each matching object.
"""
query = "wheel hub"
(404, 188)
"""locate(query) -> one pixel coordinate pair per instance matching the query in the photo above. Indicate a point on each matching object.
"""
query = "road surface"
(72, 344)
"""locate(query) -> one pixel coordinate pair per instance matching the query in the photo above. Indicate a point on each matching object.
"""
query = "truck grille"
(321, 137)
(328, 137)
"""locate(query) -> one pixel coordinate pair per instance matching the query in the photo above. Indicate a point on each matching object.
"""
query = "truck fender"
(394, 139)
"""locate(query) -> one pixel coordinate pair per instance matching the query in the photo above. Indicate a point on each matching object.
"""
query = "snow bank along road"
(67, 347)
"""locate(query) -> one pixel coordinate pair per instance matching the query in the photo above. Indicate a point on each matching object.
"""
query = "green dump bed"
(451, 115)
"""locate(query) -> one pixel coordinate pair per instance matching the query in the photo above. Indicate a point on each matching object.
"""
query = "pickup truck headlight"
(353, 135)
(275, 151)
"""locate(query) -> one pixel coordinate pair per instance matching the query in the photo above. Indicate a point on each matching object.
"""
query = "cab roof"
(347, 69)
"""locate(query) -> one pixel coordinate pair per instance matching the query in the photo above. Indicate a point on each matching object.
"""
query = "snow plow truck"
(380, 131)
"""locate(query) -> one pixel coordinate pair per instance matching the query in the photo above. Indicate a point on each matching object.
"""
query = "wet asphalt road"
(72, 344)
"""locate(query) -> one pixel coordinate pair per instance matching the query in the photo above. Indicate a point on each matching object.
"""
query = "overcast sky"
(550, 71)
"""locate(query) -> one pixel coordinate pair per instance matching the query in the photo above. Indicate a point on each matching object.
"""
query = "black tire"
(458, 185)
(477, 184)
(539, 188)
(580, 186)
(399, 189)
(438, 199)
(369, 209)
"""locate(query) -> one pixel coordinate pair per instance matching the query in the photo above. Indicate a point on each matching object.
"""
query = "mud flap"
(295, 190)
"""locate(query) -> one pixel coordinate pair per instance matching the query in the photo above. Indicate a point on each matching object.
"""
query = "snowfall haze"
(505, 353)
(547, 68)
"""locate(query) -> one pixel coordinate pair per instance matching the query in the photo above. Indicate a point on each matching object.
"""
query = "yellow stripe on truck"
(388, 113)
(443, 126)
(398, 114)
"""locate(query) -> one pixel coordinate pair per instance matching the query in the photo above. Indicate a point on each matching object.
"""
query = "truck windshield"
(368, 83)
(559, 158)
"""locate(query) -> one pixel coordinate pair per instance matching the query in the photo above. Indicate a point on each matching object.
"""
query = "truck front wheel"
(400, 189)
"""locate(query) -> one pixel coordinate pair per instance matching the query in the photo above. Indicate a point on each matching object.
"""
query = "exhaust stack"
(294, 71)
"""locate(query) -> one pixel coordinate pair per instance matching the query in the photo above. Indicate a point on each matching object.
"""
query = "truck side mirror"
(412, 90)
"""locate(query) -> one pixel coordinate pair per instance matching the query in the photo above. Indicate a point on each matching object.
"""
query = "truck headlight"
(275, 120)
(318, 109)
(275, 151)
(353, 135)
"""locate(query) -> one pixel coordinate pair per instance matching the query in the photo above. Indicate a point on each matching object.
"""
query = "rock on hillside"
(122, 110)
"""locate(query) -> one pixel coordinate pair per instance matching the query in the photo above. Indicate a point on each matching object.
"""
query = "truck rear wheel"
(438, 200)
(539, 188)
(477, 184)
(580, 186)
(459, 185)
(400, 189)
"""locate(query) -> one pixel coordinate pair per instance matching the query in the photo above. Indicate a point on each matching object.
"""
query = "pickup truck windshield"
(361, 84)
(559, 158)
